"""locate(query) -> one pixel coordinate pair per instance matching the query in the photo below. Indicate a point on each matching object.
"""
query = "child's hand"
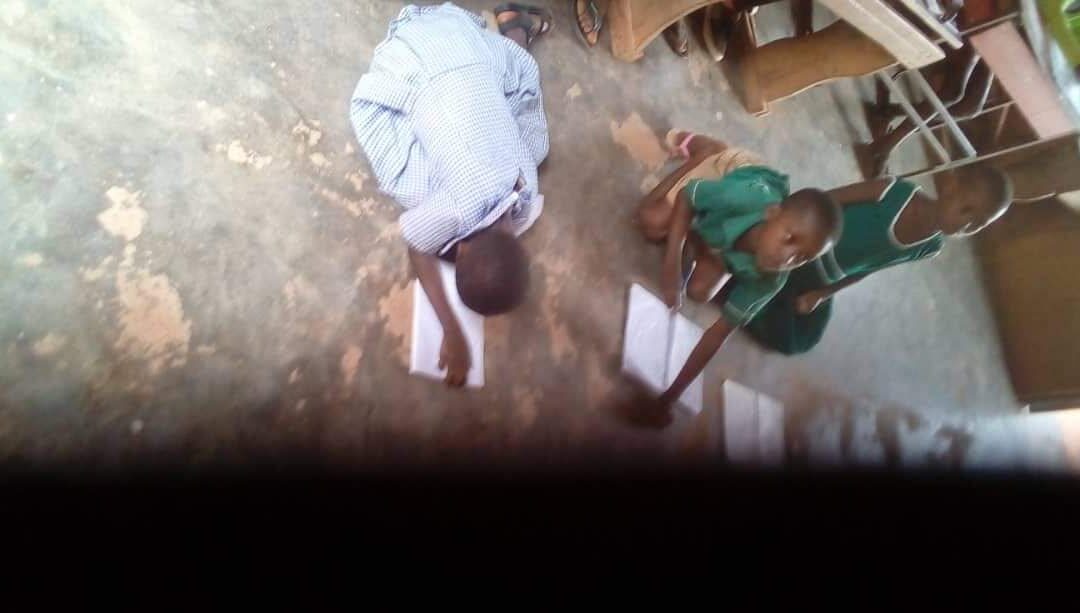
(808, 302)
(454, 357)
(641, 407)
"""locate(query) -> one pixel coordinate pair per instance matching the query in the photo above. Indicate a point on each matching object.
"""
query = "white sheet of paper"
(534, 214)
(656, 343)
(771, 449)
(645, 339)
(740, 423)
(427, 332)
(753, 426)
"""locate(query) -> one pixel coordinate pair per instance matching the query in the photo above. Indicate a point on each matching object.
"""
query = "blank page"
(427, 332)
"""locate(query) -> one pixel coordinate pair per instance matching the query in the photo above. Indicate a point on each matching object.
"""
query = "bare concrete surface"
(196, 266)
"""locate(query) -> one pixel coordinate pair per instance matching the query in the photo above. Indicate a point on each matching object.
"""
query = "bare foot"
(589, 20)
(525, 25)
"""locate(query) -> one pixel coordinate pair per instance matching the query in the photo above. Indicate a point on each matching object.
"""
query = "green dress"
(724, 209)
(866, 246)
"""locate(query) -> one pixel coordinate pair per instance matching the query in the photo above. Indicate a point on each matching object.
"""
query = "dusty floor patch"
(640, 141)
(98, 272)
(30, 260)
(356, 208)
(125, 216)
(237, 154)
(318, 160)
(395, 311)
(151, 318)
(48, 345)
(299, 291)
(356, 179)
(699, 67)
(350, 362)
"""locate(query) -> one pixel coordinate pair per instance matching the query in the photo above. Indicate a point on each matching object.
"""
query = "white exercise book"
(656, 344)
(427, 332)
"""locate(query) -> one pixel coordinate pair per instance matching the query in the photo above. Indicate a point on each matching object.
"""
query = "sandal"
(591, 35)
(716, 30)
(524, 20)
(676, 38)
(676, 148)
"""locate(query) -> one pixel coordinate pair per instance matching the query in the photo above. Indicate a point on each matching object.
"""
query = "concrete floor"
(197, 267)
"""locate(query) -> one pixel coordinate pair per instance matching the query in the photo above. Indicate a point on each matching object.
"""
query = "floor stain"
(639, 141)
(350, 362)
(151, 318)
(395, 311)
(125, 216)
(237, 154)
(48, 345)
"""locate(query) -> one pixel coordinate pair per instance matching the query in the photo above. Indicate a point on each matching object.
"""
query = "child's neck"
(918, 221)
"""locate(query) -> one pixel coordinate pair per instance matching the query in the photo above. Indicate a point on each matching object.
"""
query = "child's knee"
(654, 219)
(703, 145)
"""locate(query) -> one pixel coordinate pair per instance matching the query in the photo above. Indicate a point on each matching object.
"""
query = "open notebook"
(427, 332)
(657, 343)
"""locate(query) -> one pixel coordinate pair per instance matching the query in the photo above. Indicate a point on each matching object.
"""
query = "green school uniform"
(724, 209)
(866, 246)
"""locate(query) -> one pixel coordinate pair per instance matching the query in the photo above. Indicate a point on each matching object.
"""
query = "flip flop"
(675, 147)
(524, 20)
(676, 37)
(597, 20)
(716, 29)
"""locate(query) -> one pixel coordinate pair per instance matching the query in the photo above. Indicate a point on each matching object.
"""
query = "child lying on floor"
(738, 218)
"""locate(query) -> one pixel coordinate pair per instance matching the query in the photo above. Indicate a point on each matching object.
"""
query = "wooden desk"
(870, 37)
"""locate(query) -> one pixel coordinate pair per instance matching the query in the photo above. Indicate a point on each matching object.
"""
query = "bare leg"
(707, 273)
(654, 212)
(516, 32)
(589, 12)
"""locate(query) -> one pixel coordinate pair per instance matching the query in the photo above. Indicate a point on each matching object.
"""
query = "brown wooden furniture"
(871, 36)
(635, 23)
(1029, 260)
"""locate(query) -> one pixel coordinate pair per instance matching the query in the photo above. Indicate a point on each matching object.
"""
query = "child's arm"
(454, 354)
(671, 273)
(806, 303)
(699, 358)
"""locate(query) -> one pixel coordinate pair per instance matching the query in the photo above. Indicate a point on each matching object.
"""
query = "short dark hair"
(818, 204)
(492, 273)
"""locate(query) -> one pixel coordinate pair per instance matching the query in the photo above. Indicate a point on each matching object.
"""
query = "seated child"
(744, 223)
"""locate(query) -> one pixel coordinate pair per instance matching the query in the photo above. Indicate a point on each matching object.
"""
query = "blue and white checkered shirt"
(451, 117)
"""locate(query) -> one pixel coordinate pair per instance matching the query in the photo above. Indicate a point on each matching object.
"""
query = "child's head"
(492, 271)
(799, 229)
(972, 198)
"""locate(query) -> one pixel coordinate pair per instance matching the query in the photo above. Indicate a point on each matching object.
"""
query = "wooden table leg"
(635, 23)
(790, 65)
